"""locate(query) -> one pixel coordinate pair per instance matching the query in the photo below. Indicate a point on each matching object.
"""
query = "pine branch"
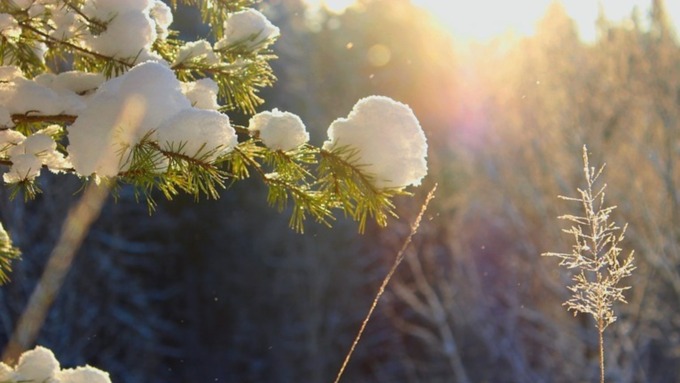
(8, 254)
(350, 188)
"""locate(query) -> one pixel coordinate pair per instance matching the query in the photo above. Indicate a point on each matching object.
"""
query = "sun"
(482, 20)
(485, 19)
(336, 6)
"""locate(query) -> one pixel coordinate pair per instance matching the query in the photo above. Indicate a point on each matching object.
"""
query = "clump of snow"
(65, 24)
(6, 372)
(78, 82)
(85, 374)
(105, 10)
(39, 365)
(22, 4)
(43, 147)
(36, 10)
(248, 27)
(20, 96)
(202, 93)
(126, 36)
(162, 15)
(120, 113)
(24, 167)
(8, 139)
(39, 50)
(5, 118)
(9, 73)
(200, 49)
(388, 139)
(279, 130)
(9, 28)
(197, 133)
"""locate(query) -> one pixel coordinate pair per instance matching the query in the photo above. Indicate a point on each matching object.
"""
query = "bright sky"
(483, 19)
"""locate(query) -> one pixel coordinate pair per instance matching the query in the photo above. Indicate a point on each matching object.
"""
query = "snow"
(6, 372)
(126, 36)
(120, 113)
(9, 73)
(24, 167)
(65, 24)
(44, 148)
(388, 138)
(162, 15)
(105, 10)
(248, 27)
(202, 93)
(78, 82)
(40, 365)
(5, 118)
(9, 28)
(21, 96)
(37, 365)
(9, 138)
(22, 4)
(200, 49)
(85, 374)
(279, 130)
(198, 133)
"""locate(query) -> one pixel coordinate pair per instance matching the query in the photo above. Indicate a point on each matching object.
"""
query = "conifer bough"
(138, 106)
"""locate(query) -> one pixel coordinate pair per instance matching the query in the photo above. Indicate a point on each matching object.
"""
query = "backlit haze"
(482, 20)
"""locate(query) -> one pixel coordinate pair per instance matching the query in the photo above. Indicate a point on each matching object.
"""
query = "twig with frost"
(595, 257)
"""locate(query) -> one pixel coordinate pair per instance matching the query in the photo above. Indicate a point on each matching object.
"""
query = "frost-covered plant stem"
(595, 257)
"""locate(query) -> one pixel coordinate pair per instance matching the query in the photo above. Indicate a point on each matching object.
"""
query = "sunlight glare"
(335, 6)
(483, 20)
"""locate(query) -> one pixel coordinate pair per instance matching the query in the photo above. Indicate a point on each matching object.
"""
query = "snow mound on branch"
(279, 130)
(202, 93)
(85, 374)
(5, 118)
(9, 28)
(128, 35)
(75, 81)
(248, 27)
(44, 148)
(20, 96)
(197, 133)
(120, 113)
(24, 167)
(130, 28)
(200, 49)
(105, 10)
(162, 15)
(388, 139)
(39, 365)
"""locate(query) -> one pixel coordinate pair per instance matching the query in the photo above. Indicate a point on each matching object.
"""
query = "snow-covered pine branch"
(143, 108)
(105, 90)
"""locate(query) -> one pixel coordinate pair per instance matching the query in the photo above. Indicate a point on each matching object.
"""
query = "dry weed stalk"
(397, 261)
(595, 257)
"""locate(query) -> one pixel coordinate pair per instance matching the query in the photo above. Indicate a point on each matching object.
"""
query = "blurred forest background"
(223, 291)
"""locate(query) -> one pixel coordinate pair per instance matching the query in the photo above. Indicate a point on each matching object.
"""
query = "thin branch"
(400, 257)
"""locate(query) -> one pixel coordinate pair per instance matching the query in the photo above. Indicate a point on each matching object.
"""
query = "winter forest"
(238, 180)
